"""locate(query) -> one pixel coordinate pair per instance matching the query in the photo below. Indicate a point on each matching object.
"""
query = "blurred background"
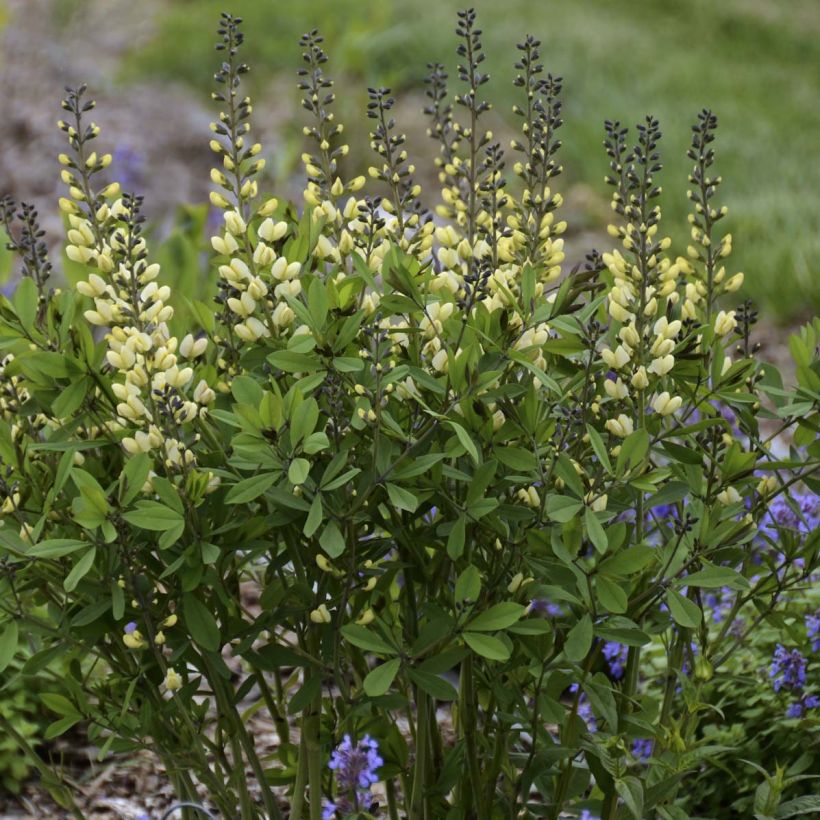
(150, 63)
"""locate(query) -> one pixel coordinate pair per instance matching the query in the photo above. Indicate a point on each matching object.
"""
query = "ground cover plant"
(482, 535)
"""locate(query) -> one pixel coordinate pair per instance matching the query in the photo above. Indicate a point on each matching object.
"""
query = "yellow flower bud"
(173, 680)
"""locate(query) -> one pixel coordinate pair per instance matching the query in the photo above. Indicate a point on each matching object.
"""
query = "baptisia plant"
(442, 512)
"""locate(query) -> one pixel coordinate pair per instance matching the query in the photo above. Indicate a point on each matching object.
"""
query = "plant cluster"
(478, 535)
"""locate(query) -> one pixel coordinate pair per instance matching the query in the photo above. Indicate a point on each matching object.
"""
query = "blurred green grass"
(756, 63)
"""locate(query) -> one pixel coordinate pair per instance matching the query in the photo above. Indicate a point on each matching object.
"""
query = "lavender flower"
(800, 707)
(543, 606)
(788, 669)
(130, 165)
(720, 603)
(813, 630)
(616, 655)
(802, 515)
(642, 749)
(585, 710)
(130, 627)
(355, 768)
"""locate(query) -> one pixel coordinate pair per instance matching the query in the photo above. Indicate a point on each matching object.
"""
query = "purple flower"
(788, 669)
(130, 627)
(801, 515)
(543, 606)
(130, 166)
(642, 749)
(728, 415)
(355, 768)
(585, 710)
(813, 630)
(616, 655)
(720, 603)
(799, 707)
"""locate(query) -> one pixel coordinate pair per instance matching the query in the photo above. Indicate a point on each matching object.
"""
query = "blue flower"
(788, 669)
(642, 748)
(616, 655)
(720, 603)
(585, 710)
(799, 707)
(813, 630)
(801, 515)
(355, 768)
(543, 606)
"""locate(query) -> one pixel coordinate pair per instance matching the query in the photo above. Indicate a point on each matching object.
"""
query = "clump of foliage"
(402, 483)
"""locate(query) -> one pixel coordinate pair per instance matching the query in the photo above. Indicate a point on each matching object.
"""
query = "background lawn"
(756, 63)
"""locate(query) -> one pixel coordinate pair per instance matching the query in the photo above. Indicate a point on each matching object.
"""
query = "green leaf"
(563, 508)
(625, 635)
(298, 471)
(402, 499)
(487, 646)
(133, 477)
(25, 302)
(466, 442)
(201, 623)
(468, 585)
(339, 481)
(151, 515)
(565, 470)
(318, 302)
(631, 792)
(629, 561)
(379, 679)
(59, 704)
(799, 806)
(685, 612)
(314, 516)
(599, 448)
(633, 450)
(595, 531)
(712, 577)
(332, 541)
(497, 617)
(366, 639)
(611, 595)
(516, 458)
(433, 685)
(92, 612)
(80, 570)
(306, 693)
(8, 644)
(673, 492)
(456, 538)
(292, 362)
(60, 726)
(249, 488)
(247, 390)
(579, 640)
(169, 493)
(70, 399)
(56, 548)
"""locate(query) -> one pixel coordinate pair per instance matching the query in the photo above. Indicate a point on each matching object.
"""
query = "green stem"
(392, 806)
(417, 800)
(313, 748)
(298, 803)
(468, 718)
